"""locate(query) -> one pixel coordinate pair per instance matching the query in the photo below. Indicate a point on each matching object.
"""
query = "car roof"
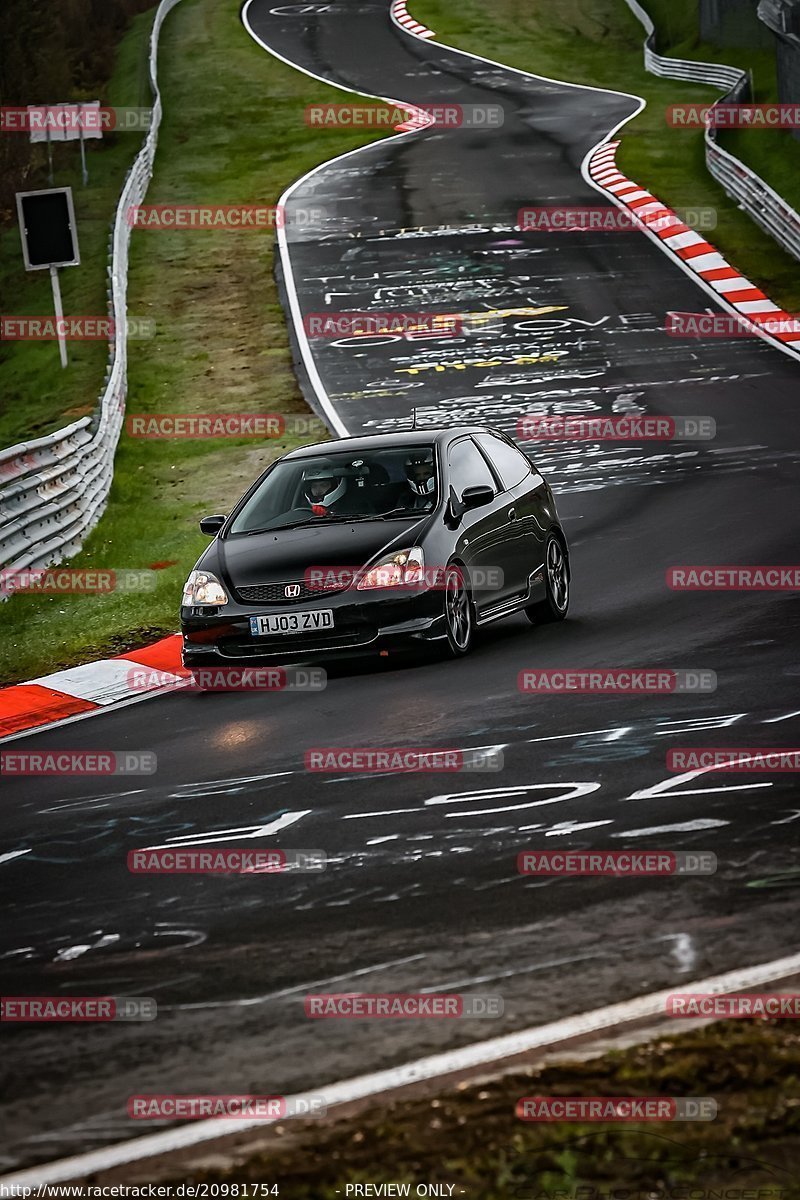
(385, 441)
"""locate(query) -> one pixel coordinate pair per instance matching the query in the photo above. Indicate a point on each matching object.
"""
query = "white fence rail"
(757, 198)
(53, 489)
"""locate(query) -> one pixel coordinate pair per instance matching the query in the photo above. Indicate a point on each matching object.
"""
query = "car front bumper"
(389, 619)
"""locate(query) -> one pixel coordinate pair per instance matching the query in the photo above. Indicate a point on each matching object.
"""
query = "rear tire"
(555, 604)
(459, 615)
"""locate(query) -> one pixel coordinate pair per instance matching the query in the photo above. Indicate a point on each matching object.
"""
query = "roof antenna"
(413, 419)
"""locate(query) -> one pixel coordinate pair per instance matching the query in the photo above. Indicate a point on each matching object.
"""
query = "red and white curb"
(419, 119)
(79, 691)
(400, 15)
(696, 255)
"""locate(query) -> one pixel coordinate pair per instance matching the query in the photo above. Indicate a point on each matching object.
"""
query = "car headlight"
(203, 588)
(403, 568)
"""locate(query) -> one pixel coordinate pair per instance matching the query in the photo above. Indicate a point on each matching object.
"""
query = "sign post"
(84, 172)
(57, 305)
(65, 123)
(49, 241)
(88, 127)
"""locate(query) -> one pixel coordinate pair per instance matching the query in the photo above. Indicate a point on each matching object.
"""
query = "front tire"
(556, 581)
(459, 617)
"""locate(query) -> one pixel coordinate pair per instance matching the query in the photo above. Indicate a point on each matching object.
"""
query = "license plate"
(306, 621)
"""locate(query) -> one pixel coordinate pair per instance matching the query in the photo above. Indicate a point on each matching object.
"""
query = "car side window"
(511, 464)
(468, 467)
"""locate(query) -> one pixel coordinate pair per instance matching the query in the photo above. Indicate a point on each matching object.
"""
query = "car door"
(524, 489)
(482, 532)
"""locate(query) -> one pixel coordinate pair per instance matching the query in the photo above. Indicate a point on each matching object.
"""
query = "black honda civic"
(376, 543)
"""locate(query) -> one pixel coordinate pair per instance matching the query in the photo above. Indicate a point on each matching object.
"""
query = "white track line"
(538, 1038)
(601, 1020)
(718, 299)
(335, 420)
(642, 103)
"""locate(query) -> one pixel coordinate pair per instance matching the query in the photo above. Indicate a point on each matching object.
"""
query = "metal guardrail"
(774, 214)
(53, 489)
(769, 210)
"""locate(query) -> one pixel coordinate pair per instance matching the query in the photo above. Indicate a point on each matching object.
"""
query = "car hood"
(286, 554)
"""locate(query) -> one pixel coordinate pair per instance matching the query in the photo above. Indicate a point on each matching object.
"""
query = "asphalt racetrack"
(422, 890)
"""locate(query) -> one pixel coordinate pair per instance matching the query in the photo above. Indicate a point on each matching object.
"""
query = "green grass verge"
(37, 395)
(773, 154)
(599, 42)
(233, 132)
(471, 1138)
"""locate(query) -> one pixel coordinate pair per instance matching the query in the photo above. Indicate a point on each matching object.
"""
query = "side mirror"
(476, 497)
(212, 525)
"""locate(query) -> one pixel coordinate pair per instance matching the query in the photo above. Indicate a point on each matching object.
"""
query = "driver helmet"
(323, 484)
(420, 473)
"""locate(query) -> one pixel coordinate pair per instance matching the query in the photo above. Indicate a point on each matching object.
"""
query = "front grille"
(327, 639)
(275, 593)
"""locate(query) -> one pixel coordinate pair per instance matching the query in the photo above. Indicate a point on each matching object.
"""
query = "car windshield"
(357, 485)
